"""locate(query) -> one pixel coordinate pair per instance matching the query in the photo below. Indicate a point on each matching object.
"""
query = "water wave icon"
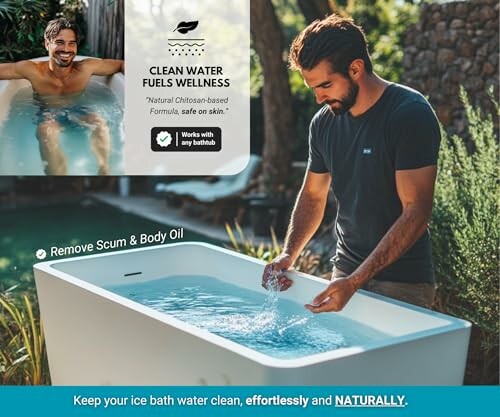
(186, 44)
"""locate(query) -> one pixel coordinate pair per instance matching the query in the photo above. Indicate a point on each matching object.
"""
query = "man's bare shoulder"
(89, 63)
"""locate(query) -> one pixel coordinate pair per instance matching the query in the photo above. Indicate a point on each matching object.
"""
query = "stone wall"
(454, 44)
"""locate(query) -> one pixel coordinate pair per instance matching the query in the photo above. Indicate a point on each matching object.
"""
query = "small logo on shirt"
(367, 151)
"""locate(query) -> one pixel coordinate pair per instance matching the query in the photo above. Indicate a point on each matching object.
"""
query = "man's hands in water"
(280, 264)
(334, 298)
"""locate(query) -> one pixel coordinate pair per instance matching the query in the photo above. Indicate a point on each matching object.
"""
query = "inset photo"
(61, 87)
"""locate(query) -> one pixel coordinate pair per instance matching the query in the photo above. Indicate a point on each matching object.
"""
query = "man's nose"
(320, 98)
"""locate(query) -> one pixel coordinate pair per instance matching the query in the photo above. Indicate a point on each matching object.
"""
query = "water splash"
(267, 323)
(270, 306)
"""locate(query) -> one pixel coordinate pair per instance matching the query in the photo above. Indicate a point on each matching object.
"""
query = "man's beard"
(63, 63)
(347, 101)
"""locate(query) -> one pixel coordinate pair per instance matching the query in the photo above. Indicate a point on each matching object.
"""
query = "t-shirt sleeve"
(316, 162)
(416, 134)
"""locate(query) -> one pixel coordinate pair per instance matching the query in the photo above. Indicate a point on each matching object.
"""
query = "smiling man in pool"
(56, 82)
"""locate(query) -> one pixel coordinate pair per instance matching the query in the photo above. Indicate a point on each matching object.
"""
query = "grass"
(307, 262)
(23, 359)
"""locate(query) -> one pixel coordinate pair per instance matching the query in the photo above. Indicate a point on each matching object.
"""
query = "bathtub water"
(20, 114)
(19, 146)
(264, 322)
(95, 336)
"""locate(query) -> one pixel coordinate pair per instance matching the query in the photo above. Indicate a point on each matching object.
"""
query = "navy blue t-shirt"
(362, 154)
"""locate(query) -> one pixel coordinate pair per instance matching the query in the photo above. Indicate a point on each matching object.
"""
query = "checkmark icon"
(164, 139)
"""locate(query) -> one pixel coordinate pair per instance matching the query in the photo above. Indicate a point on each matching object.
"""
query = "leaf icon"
(185, 27)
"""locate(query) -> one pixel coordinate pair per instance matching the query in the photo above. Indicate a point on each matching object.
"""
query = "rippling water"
(266, 323)
(19, 150)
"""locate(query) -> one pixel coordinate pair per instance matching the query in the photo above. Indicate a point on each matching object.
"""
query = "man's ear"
(356, 68)
(46, 44)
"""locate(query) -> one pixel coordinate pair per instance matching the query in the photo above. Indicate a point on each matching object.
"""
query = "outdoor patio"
(157, 210)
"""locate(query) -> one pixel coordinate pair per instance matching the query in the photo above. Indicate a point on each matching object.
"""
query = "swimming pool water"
(23, 230)
(266, 323)
(19, 148)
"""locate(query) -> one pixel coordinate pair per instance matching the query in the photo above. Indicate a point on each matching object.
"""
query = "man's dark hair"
(55, 26)
(334, 38)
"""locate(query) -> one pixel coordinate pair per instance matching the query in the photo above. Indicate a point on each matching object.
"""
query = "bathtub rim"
(453, 323)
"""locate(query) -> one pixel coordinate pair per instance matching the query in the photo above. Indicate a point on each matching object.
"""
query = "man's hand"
(276, 267)
(335, 297)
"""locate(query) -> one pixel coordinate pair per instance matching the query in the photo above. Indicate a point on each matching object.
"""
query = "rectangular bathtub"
(95, 337)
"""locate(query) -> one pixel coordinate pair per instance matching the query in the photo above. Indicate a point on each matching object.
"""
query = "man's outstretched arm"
(105, 66)
(15, 70)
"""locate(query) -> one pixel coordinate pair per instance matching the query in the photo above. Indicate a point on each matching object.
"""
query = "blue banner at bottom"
(246, 401)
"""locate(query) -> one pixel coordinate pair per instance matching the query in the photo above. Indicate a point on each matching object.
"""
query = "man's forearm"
(399, 238)
(116, 65)
(105, 66)
(306, 218)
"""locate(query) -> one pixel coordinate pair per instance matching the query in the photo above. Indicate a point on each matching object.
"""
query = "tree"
(276, 97)
(319, 9)
(316, 9)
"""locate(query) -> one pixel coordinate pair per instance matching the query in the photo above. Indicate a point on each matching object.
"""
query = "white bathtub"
(95, 337)
(9, 88)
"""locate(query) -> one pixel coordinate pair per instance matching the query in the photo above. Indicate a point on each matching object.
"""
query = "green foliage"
(307, 261)
(291, 19)
(466, 231)
(304, 108)
(247, 247)
(7, 10)
(384, 23)
(256, 76)
(23, 358)
(72, 9)
(23, 23)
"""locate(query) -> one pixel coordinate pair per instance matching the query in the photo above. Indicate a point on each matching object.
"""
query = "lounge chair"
(219, 194)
